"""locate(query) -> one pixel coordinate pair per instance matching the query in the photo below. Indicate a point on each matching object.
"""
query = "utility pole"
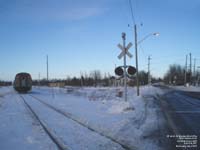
(149, 75)
(136, 59)
(194, 71)
(185, 78)
(47, 69)
(115, 82)
(39, 79)
(190, 68)
(198, 76)
(125, 75)
(194, 67)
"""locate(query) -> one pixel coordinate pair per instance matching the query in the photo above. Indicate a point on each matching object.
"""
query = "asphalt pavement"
(183, 112)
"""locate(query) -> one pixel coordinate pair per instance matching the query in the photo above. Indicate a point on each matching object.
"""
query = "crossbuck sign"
(125, 50)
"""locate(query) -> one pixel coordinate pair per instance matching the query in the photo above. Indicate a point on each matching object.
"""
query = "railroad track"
(80, 121)
(50, 133)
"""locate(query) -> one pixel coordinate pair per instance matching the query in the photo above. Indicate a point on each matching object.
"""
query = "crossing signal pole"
(119, 70)
(125, 75)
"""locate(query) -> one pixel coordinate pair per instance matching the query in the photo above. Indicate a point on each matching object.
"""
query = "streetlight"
(148, 35)
(136, 54)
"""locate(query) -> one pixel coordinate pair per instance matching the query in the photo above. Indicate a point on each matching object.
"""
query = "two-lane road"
(182, 110)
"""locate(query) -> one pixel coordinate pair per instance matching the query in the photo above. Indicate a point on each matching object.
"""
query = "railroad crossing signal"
(125, 50)
(121, 71)
(130, 70)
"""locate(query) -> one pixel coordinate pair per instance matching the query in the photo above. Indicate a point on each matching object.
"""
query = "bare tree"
(96, 76)
(175, 75)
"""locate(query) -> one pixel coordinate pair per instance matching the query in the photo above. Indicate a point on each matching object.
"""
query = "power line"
(132, 15)
(141, 48)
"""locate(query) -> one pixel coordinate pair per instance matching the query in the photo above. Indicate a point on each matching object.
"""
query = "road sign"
(125, 50)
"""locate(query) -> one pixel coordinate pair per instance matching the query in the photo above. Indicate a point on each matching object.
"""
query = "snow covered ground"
(18, 129)
(136, 123)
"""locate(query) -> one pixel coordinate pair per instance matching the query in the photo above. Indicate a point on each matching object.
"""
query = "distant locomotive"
(23, 82)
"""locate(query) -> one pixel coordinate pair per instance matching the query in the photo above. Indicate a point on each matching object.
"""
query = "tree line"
(5, 83)
(93, 78)
(97, 78)
(178, 75)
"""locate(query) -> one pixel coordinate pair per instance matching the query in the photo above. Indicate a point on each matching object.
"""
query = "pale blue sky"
(82, 36)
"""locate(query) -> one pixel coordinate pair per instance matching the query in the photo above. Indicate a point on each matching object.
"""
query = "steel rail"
(85, 124)
(52, 136)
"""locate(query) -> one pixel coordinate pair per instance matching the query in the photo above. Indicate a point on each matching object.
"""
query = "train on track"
(22, 82)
